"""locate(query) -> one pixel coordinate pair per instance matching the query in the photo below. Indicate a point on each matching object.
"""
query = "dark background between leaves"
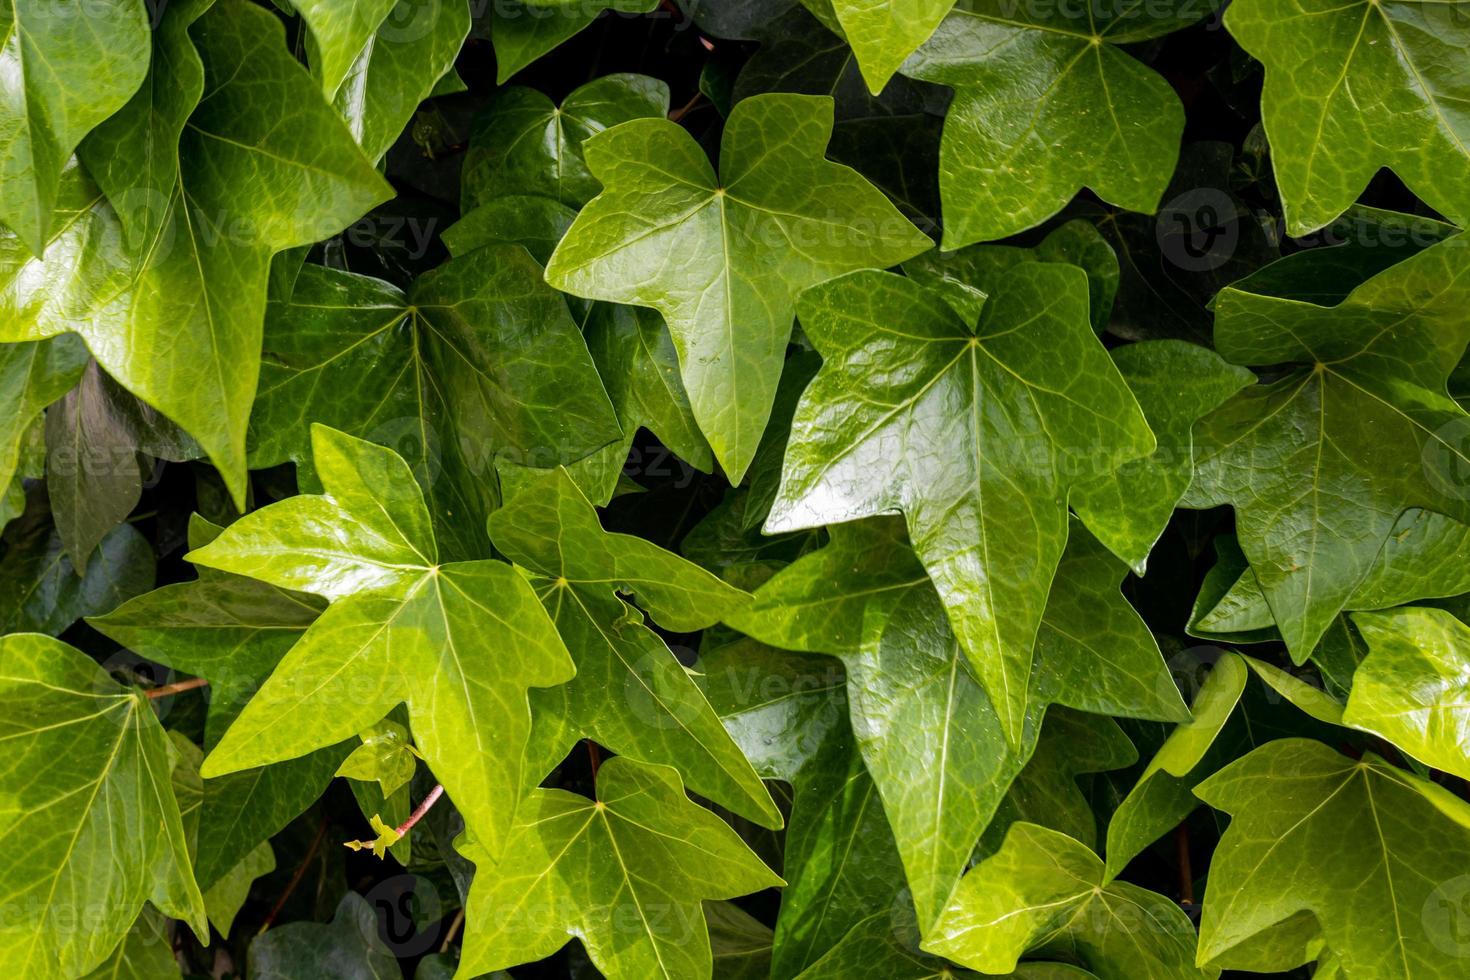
(1220, 88)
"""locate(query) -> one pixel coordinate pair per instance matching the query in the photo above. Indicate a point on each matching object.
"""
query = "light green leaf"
(625, 874)
(225, 897)
(1385, 901)
(264, 165)
(523, 143)
(93, 838)
(146, 953)
(460, 643)
(386, 757)
(1414, 687)
(722, 258)
(1175, 383)
(65, 71)
(975, 431)
(1046, 105)
(480, 361)
(630, 694)
(1046, 894)
(885, 33)
(1360, 381)
(338, 34)
(1327, 142)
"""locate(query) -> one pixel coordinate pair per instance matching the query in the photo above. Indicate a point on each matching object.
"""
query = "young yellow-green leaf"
(1414, 687)
(460, 643)
(523, 143)
(65, 70)
(975, 431)
(524, 30)
(1360, 381)
(1046, 104)
(1176, 383)
(1163, 794)
(625, 874)
(403, 63)
(630, 694)
(883, 33)
(386, 757)
(91, 839)
(264, 165)
(1327, 141)
(481, 360)
(722, 258)
(1045, 894)
(1385, 900)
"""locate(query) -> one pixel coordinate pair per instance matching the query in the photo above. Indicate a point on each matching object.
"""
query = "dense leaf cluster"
(735, 488)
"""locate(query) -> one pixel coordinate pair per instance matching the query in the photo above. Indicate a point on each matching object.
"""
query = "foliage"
(735, 489)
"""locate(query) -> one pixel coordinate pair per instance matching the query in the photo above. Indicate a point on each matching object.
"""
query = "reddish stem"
(176, 688)
(593, 755)
(420, 810)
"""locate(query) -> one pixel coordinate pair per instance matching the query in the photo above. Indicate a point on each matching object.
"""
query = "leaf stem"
(454, 927)
(176, 688)
(1186, 873)
(420, 810)
(593, 756)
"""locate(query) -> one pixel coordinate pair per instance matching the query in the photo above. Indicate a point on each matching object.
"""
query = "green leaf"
(386, 757)
(348, 947)
(338, 34)
(630, 694)
(1045, 106)
(524, 30)
(1412, 688)
(779, 218)
(146, 953)
(1046, 894)
(523, 143)
(96, 837)
(1163, 795)
(1386, 900)
(740, 944)
(226, 896)
(66, 71)
(264, 165)
(883, 35)
(1176, 383)
(1363, 380)
(41, 590)
(625, 874)
(479, 362)
(976, 431)
(32, 376)
(1326, 143)
(404, 62)
(461, 643)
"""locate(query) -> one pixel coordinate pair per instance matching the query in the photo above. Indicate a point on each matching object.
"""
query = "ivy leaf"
(41, 590)
(1045, 106)
(524, 30)
(723, 258)
(523, 143)
(146, 953)
(402, 63)
(107, 825)
(1046, 894)
(1326, 143)
(630, 694)
(1176, 383)
(338, 34)
(975, 431)
(1411, 690)
(481, 360)
(224, 899)
(401, 627)
(265, 165)
(789, 714)
(65, 73)
(1362, 380)
(1397, 843)
(883, 35)
(32, 376)
(739, 942)
(349, 947)
(625, 874)
(232, 630)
